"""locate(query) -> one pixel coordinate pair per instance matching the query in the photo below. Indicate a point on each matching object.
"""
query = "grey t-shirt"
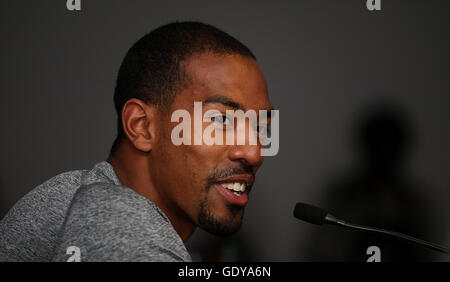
(88, 213)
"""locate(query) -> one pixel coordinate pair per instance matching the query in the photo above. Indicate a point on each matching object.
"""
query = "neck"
(133, 169)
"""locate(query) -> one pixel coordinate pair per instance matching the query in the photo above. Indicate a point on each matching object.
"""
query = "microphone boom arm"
(330, 219)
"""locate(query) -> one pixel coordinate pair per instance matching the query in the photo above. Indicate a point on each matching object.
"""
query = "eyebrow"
(226, 101)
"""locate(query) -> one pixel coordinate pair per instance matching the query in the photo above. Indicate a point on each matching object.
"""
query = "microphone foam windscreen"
(310, 213)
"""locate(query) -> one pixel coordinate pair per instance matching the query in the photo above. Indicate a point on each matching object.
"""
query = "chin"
(221, 224)
(222, 230)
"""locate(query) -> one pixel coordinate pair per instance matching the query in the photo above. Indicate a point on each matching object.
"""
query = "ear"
(139, 121)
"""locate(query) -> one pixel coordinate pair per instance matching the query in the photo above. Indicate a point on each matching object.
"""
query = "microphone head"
(310, 213)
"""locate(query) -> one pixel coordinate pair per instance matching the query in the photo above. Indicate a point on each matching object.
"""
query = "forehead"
(234, 76)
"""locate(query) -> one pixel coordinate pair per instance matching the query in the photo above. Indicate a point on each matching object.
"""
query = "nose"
(248, 154)
(246, 148)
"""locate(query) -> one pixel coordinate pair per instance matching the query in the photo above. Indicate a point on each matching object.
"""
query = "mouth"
(235, 189)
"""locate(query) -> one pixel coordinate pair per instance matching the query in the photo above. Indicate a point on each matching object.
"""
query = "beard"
(221, 227)
(206, 218)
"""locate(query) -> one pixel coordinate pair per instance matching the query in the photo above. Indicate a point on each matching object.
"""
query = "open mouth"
(235, 189)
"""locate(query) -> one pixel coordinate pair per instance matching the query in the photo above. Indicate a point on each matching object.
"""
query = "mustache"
(227, 172)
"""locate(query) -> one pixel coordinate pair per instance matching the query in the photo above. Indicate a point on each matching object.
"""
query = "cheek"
(183, 171)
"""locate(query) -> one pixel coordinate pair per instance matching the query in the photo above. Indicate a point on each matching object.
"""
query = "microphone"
(319, 216)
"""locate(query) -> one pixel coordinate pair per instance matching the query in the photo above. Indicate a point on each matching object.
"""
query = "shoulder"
(106, 202)
(46, 202)
(110, 222)
(30, 226)
(57, 187)
(52, 195)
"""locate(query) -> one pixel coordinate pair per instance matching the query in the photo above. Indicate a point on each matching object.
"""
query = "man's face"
(194, 181)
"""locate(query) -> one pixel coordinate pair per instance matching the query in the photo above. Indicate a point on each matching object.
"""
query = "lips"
(235, 189)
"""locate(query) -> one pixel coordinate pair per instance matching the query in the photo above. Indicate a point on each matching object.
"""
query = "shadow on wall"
(3, 203)
(377, 191)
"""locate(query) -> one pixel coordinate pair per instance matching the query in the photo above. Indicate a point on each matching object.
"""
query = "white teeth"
(236, 186)
(237, 193)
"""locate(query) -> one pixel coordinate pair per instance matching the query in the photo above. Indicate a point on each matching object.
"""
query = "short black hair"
(152, 72)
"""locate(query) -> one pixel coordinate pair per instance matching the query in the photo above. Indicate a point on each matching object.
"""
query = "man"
(146, 200)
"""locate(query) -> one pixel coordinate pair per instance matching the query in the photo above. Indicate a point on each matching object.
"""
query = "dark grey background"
(326, 63)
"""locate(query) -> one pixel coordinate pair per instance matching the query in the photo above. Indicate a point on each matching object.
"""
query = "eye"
(263, 130)
(223, 119)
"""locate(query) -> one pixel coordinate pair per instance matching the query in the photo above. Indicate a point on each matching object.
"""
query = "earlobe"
(137, 121)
